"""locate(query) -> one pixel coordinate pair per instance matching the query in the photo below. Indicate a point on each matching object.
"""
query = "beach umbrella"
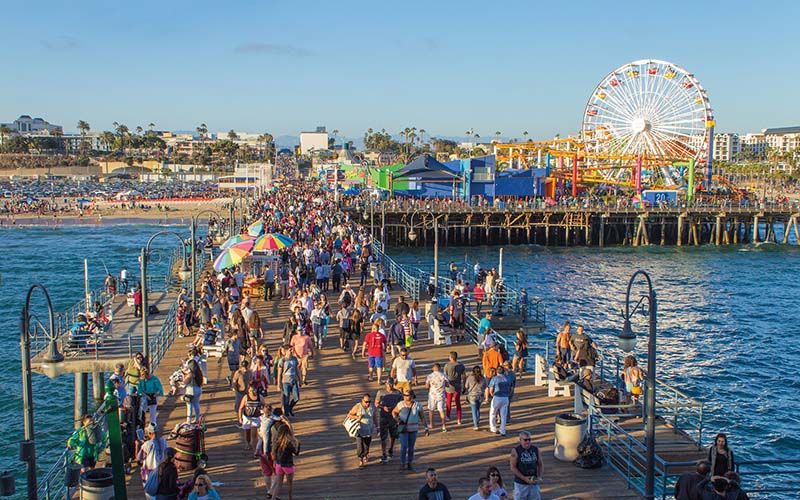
(256, 228)
(272, 241)
(233, 255)
(235, 240)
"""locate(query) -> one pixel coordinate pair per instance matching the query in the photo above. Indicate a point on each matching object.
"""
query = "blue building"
(482, 180)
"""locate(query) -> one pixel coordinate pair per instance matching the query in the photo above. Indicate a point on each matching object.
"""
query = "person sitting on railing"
(79, 332)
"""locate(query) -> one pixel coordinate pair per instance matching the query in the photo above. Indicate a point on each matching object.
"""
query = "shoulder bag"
(351, 426)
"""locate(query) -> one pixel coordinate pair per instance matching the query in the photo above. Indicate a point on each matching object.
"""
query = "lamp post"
(627, 342)
(412, 235)
(143, 258)
(51, 363)
(193, 235)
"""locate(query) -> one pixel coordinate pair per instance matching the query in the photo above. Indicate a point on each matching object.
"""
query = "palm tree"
(151, 126)
(422, 135)
(232, 135)
(83, 127)
(525, 135)
(497, 133)
(202, 130)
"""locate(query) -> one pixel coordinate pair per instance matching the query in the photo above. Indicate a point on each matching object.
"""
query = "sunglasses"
(526, 439)
(494, 474)
(406, 395)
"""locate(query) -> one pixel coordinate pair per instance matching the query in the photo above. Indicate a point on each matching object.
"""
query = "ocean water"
(53, 257)
(727, 323)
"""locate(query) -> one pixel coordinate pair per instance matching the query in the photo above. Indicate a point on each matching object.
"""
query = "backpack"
(590, 453)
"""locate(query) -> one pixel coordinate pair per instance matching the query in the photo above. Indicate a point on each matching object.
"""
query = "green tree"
(15, 144)
(525, 135)
(232, 135)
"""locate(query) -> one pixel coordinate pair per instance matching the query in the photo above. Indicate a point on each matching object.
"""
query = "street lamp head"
(627, 339)
(53, 363)
(365, 215)
(412, 235)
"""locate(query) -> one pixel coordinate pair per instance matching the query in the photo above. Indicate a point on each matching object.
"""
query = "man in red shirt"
(374, 344)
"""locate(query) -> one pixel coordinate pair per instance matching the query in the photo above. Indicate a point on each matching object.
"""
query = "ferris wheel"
(651, 109)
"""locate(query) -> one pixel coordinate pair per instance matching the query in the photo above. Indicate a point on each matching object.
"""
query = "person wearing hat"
(522, 300)
(386, 400)
(152, 452)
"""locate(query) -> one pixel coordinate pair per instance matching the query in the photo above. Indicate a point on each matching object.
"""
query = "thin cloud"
(272, 49)
(61, 42)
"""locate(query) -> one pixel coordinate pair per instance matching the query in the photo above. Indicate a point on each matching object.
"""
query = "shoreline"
(180, 212)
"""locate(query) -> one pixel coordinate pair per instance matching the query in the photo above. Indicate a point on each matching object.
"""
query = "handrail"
(52, 485)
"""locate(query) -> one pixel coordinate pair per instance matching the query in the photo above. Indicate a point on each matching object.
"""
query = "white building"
(783, 138)
(726, 146)
(753, 145)
(25, 125)
(317, 141)
(250, 176)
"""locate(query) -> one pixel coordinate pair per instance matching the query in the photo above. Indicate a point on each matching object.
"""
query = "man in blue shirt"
(499, 390)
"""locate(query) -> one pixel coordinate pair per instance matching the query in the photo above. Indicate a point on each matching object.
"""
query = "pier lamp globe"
(52, 364)
(626, 338)
(365, 215)
(412, 235)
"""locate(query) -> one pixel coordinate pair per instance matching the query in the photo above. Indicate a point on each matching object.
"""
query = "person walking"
(410, 416)
(491, 359)
(152, 452)
(251, 408)
(499, 390)
(475, 389)
(374, 345)
(433, 489)
(288, 377)
(364, 412)
(303, 348)
(436, 382)
(386, 400)
(526, 465)
(455, 372)
(285, 448)
(193, 383)
(239, 382)
(404, 371)
(269, 282)
(484, 490)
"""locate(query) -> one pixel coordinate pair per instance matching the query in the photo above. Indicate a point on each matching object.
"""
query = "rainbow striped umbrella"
(272, 241)
(235, 240)
(233, 255)
(256, 228)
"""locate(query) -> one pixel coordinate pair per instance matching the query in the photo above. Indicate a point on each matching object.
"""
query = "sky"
(446, 67)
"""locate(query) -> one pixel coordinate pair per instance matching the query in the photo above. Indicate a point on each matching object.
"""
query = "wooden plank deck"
(124, 338)
(326, 468)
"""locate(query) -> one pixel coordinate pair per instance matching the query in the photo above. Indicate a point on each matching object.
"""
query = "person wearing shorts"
(374, 345)
(436, 383)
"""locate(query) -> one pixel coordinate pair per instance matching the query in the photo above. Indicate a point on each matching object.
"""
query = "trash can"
(570, 428)
(97, 484)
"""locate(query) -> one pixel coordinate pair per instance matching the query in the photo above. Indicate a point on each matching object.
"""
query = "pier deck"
(326, 467)
(124, 338)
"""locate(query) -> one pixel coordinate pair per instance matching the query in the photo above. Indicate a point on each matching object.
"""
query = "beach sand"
(104, 212)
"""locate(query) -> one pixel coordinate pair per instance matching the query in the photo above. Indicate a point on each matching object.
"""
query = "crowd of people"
(331, 254)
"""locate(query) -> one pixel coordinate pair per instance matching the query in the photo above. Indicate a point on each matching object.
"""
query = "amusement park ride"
(647, 124)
